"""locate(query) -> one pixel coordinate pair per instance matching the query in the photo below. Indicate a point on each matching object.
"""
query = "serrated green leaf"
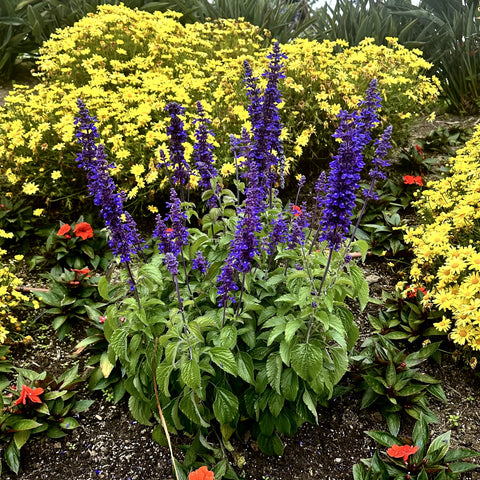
(224, 358)
(140, 411)
(307, 360)
(118, 341)
(274, 370)
(245, 367)
(289, 384)
(225, 405)
(190, 373)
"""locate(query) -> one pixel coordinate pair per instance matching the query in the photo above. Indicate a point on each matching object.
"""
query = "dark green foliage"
(389, 380)
(446, 31)
(432, 460)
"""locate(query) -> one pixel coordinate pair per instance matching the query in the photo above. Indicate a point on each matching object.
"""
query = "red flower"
(29, 395)
(413, 293)
(410, 180)
(84, 230)
(402, 451)
(168, 231)
(83, 271)
(203, 473)
(64, 229)
(296, 210)
(102, 319)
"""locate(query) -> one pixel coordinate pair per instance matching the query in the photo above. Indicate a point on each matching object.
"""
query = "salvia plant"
(418, 458)
(238, 321)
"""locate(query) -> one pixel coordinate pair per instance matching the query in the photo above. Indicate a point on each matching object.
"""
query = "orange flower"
(83, 230)
(402, 451)
(83, 271)
(296, 210)
(410, 180)
(29, 395)
(203, 473)
(64, 229)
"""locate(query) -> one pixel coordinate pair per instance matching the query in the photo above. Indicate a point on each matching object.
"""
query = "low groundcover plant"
(239, 317)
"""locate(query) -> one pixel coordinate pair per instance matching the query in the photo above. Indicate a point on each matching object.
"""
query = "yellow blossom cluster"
(10, 298)
(446, 245)
(128, 64)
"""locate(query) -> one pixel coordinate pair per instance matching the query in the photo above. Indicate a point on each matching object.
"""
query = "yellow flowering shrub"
(127, 65)
(446, 246)
(10, 298)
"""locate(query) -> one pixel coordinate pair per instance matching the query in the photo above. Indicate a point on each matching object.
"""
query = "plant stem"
(133, 284)
(160, 412)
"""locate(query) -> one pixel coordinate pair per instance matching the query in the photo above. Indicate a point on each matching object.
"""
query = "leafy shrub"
(389, 380)
(73, 246)
(37, 404)
(445, 246)
(128, 65)
(418, 458)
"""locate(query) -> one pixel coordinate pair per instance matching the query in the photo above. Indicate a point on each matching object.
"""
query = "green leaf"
(311, 405)
(307, 360)
(20, 438)
(118, 341)
(375, 384)
(69, 423)
(224, 358)
(384, 438)
(140, 410)
(12, 457)
(22, 424)
(245, 367)
(360, 285)
(289, 384)
(458, 467)
(270, 444)
(158, 434)
(460, 454)
(225, 405)
(163, 373)
(438, 448)
(103, 288)
(420, 434)
(188, 405)
(291, 328)
(190, 372)
(393, 422)
(274, 370)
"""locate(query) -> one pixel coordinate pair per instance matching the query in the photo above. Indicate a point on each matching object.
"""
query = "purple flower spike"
(125, 239)
(178, 136)
(203, 155)
(344, 178)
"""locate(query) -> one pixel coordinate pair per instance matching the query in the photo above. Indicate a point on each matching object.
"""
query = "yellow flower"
(227, 169)
(38, 212)
(18, 258)
(152, 208)
(443, 325)
(137, 169)
(30, 188)
(56, 174)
